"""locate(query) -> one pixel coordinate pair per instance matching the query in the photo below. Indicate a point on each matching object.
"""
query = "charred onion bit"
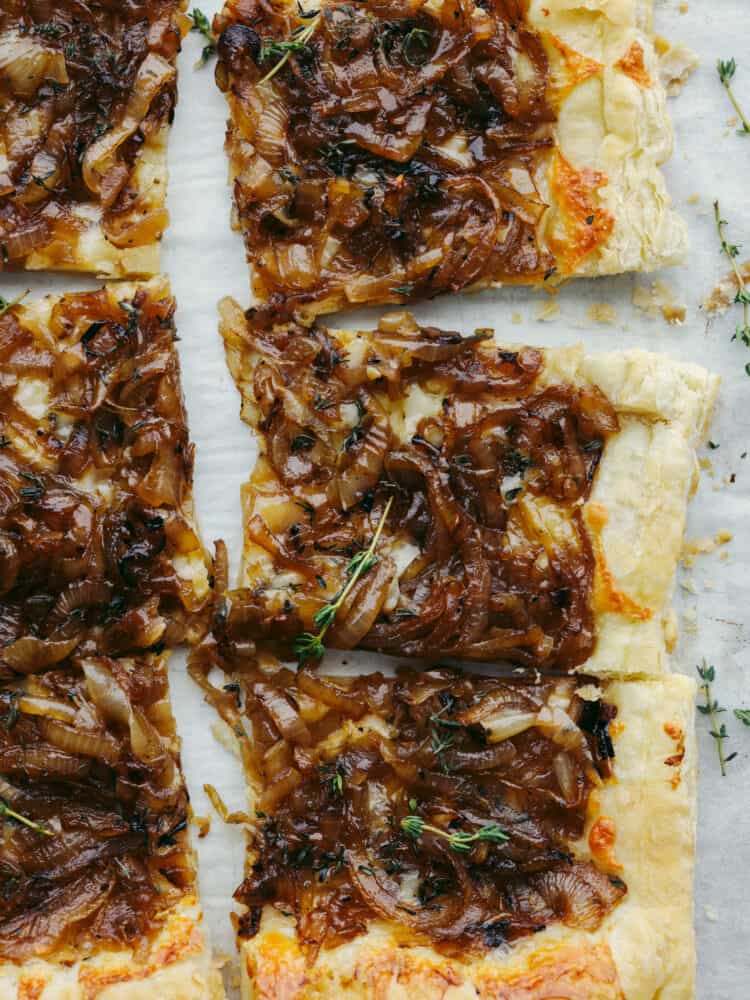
(386, 151)
(84, 89)
(88, 757)
(95, 481)
(485, 461)
(443, 802)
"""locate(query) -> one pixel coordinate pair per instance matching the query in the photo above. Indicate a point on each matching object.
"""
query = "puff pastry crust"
(634, 514)
(92, 414)
(100, 205)
(602, 203)
(643, 950)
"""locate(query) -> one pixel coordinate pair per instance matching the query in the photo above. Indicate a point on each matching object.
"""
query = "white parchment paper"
(205, 261)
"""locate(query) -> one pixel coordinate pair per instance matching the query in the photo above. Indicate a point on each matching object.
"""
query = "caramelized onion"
(103, 173)
(30, 655)
(74, 741)
(25, 63)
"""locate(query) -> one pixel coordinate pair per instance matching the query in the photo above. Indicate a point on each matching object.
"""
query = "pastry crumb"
(547, 311)
(659, 298)
(689, 585)
(694, 199)
(725, 292)
(516, 318)
(676, 62)
(704, 546)
(711, 913)
(602, 312)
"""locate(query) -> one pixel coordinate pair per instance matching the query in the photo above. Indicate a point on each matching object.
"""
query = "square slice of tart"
(399, 150)
(99, 885)
(453, 835)
(425, 494)
(87, 95)
(99, 550)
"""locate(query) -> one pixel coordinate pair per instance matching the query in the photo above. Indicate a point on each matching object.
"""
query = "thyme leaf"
(5, 810)
(309, 646)
(281, 50)
(458, 840)
(743, 714)
(712, 709)
(727, 70)
(203, 25)
(732, 251)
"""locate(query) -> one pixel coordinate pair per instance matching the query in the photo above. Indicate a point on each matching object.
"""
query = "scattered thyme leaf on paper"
(712, 709)
(732, 251)
(727, 70)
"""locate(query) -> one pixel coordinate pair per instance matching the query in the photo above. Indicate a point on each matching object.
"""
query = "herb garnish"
(726, 72)
(415, 826)
(743, 714)
(203, 25)
(282, 50)
(310, 647)
(6, 304)
(732, 251)
(5, 810)
(712, 709)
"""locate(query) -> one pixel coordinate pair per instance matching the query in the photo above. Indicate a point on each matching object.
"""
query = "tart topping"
(467, 465)
(386, 151)
(445, 803)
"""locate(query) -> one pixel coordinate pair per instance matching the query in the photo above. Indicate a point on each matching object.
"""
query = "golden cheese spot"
(632, 65)
(278, 969)
(31, 989)
(607, 594)
(570, 68)
(587, 225)
(616, 728)
(602, 838)
(676, 733)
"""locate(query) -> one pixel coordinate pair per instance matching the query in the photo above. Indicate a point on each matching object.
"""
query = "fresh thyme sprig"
(726, 70)
(282, 50)
(6, 304)
(203, 25)
(712, 709)
(743, 714)
(5, 810)
(415, 826)
(732, 251)
(310, 647)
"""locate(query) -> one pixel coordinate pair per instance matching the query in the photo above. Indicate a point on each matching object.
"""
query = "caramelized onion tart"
(447, 834)
(396, 150)
(98, 881)
(99, 552)
(526, 505)
(87, 95)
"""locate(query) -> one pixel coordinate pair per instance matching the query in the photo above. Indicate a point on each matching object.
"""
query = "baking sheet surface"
(205, 261)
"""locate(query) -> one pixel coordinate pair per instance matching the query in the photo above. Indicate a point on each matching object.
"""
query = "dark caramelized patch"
(73, 73)
(95, 481)
(453, 755)
(394, 155)
(487, 491)
(88, 754)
